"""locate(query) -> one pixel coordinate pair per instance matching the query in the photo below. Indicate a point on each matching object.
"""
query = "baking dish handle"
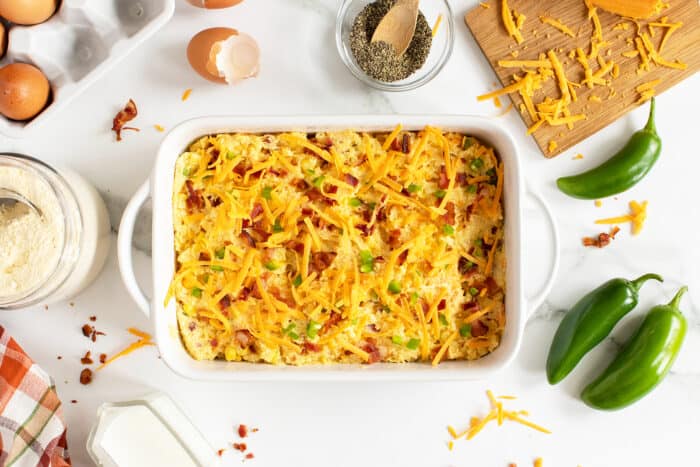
(124, 240)
(536, 299)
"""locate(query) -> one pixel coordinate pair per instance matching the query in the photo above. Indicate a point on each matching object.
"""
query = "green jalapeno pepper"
(622, 171)
(643, 361)
(590, 321)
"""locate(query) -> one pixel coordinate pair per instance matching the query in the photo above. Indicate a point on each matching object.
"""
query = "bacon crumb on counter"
(87, 330)
(59, 357)
(602, 240)
(103, 357)
(74, 401)
(250, 455)
(220, 452)
(128, 113)
(93, 318)
(86, 376)
(242, 431)
(86, 360)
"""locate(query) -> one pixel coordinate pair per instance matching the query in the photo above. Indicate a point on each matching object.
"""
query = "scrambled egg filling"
(339, 247)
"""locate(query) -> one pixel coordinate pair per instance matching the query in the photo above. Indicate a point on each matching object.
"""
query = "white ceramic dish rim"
(159, 188)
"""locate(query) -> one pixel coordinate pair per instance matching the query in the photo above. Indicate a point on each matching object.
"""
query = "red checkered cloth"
(32, 431)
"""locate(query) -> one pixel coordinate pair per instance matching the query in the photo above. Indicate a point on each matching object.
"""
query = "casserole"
(160, 188)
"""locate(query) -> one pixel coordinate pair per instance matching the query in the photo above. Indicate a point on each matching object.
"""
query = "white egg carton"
(83, 40)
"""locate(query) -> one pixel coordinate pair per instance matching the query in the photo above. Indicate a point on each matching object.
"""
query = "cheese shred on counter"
(340, 247)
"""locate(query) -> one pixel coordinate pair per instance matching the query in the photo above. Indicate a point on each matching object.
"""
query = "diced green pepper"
(414, 298)
(366, 261)
(216, 267)
(476, 164)
(277, 227)
(447, 229)
(397, 340)
(355, 202)
(197, 292)
(443, 319)
(413, 188)
(394, 287)
(312, 329)
(413, 343)
(220, 253)
(474, 291)
(467, 143)
(440, 194)
(230, 155)
(186, 172)
(271, 265)
(297, 281)
(472, 188)
(267, 192)
(465, 330)
(318, 181)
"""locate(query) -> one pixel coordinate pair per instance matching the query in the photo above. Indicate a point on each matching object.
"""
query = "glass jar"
(80, 232)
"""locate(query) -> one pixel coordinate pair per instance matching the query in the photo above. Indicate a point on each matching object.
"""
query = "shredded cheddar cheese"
(143, 341)
(511, 27)
(186, 94)
(497, 414)
(637, 216)
(438, 21)
(557, 24)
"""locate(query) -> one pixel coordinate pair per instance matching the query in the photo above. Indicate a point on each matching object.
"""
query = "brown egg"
(27, 12)
(24, 91)
(3, 40)
(201, 52)
(214, 4)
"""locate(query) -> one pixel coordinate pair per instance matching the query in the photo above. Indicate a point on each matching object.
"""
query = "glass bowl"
(440, 50)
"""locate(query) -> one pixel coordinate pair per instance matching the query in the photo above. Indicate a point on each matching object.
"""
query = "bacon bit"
(103, 357)
(242, 431)
(186, 94)
(86, 360)
(478, 329)
(247, 238)
(204, 256)
(394, 238)
(254, 292)
(333, 319)
(86, 376)
(192, 326)
(449, 216)
(220, 452)
(214, 342)
(443, 181)
(94, 335)
(321, 260)
(602, 240)
(125, 115)
(442, 304)
(194, 200)
(350, 180)
(87, 330)
(225, 302)
(144, 340)
(461, 179)
(402, 258)
(249, 455)
(406, 144)
(371, 348)
(93, 318)
(74, 401)
(240, 447)
(256, 211)
(59, 357)
(244, 337)
(306, 348)
(464, 265)
(332, 189)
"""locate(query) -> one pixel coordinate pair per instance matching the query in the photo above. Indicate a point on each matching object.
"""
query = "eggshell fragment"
(238, 58)
(214, 4)
(200, 48)
(24, 91)
(27, 12)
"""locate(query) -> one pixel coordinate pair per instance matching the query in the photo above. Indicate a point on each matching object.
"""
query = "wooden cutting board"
(487, 27)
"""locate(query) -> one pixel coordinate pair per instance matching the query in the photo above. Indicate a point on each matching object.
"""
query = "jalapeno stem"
(677, 299)
(637, 283)
(651, 125)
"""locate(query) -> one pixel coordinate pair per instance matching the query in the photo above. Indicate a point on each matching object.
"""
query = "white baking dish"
(78, 44)
(159, 189)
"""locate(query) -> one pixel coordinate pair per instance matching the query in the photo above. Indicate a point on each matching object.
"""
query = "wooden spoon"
(398, 26)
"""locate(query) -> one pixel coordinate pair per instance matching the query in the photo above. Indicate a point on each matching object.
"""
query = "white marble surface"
(378, 424)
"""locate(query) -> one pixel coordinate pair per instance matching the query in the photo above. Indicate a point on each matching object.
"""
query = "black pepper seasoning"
(379, 60)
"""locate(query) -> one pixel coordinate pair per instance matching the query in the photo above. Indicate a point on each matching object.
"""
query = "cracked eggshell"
(201, 52)
(214, 4)
(27, 12)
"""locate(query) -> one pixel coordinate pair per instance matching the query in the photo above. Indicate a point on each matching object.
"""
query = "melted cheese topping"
(344, 247)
